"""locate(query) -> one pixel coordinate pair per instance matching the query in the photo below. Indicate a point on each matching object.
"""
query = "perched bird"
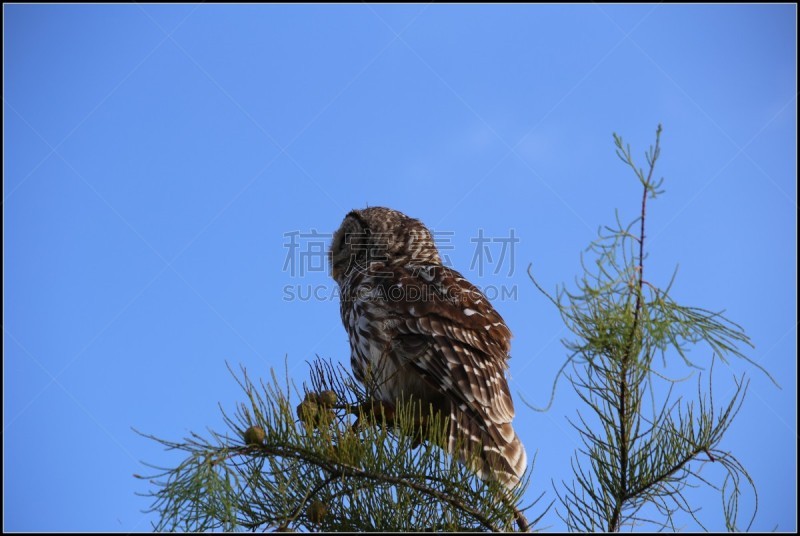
(419, 329)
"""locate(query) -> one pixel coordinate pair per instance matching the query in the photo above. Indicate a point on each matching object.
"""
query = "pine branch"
(637, 462)
(318, 472)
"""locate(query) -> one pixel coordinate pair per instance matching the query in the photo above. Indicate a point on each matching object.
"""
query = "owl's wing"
(449, 332)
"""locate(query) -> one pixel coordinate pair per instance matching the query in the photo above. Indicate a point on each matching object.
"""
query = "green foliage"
(642, 444)
(284, 466)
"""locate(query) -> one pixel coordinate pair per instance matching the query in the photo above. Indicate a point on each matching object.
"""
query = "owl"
(419, 329)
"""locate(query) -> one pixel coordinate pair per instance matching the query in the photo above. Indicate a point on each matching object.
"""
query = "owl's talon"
(355, 426)
(373, 409)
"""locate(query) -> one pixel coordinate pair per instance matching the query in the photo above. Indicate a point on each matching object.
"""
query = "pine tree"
(643, 443)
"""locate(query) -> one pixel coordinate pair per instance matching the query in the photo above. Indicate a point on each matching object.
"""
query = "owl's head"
(382, 235)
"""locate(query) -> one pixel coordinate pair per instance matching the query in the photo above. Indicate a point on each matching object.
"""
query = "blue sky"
(158, 158)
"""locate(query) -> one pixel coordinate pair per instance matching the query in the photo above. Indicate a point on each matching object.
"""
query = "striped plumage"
(418, 328)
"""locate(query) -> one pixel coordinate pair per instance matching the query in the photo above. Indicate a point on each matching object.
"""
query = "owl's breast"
(370, 328)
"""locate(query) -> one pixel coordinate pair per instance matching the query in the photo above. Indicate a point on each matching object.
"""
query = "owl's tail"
(494, 449)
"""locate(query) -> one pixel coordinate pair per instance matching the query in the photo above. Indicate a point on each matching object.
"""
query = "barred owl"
(420, 329)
